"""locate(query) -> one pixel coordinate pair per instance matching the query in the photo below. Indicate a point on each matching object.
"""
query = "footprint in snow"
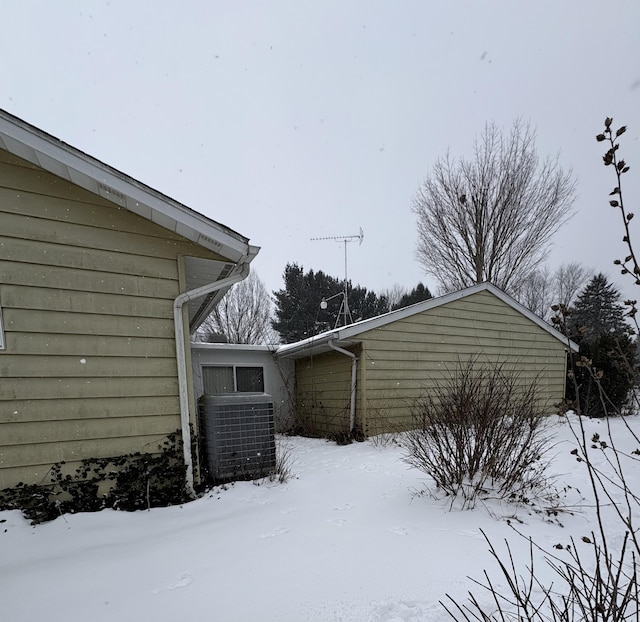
(278, 532)
(346, 506)
(405, 611)
(184, 580)
(336, 522)
(398, 531)
(388, 495)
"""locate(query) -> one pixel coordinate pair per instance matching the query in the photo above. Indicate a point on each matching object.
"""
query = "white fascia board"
(233, 347)
(55, 156)
(353, 330)
(432, 303)
(316, 344)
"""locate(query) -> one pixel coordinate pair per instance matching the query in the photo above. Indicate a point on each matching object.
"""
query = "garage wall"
(403, 359)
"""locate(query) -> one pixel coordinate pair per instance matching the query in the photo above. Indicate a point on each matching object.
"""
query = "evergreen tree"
(598, 311)
(298, 312)
(418, 294)
(603, 376)
(297, 307)
(364, 303)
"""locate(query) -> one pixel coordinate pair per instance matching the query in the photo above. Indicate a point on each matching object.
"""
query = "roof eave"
(44, 150)
(312, 344)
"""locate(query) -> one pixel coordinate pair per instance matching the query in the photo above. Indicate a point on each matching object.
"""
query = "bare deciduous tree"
(242, 316)
(600, 582)
(569, 279)
(394, 294)
(492, 217)
(535, 292)
(541, 289)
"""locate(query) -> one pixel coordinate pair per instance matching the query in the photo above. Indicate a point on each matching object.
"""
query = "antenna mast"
(344, 307)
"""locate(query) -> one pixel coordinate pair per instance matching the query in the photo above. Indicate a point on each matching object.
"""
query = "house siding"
(323, 393)
(86, 291)
(405, 358)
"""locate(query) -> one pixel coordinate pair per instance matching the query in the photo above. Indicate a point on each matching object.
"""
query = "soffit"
(200, 272)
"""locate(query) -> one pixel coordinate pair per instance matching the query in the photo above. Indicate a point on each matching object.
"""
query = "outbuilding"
(368, 376)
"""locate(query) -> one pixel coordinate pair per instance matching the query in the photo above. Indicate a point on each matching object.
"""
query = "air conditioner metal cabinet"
(239, 435)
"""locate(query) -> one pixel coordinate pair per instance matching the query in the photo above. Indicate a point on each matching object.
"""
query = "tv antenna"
(344, 311)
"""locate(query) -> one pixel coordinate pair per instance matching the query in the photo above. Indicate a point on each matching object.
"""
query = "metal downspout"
(354, 375)
(181, 357)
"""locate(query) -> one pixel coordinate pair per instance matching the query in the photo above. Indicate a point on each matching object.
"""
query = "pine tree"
(603, 376)
(364, 303)
(418, 294)
(297, 307)
(298, 313)
(598, 311)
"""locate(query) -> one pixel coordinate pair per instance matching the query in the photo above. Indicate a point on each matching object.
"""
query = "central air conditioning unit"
(238, 433)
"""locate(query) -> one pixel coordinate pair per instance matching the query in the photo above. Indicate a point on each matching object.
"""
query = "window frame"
(234, 367)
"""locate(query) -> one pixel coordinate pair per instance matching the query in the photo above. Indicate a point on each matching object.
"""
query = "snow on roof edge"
(352, 330)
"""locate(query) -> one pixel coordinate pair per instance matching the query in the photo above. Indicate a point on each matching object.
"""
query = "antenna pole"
(347, 312)
(344, 307)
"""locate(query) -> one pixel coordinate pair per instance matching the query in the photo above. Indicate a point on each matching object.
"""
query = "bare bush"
(604, 591)
(285, 459)
(482, 433)
(595, 575)
(600, 585)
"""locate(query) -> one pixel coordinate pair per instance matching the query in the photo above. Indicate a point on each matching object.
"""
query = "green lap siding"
(404, 359)
(86, 291)
(323, 393)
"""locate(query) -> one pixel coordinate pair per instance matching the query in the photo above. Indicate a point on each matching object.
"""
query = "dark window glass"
(250, 379)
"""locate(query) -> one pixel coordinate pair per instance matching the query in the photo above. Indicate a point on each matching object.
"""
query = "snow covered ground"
(347, 538)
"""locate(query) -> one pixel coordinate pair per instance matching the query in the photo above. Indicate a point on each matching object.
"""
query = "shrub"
(285, 459)
(603, 376)
(130, 482)
(601, 585)
(481, 432)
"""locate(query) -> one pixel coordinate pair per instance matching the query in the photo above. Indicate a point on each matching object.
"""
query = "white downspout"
(354, 375)
(181, 357)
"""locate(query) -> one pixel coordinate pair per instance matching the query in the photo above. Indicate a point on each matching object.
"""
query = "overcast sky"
(289, 120)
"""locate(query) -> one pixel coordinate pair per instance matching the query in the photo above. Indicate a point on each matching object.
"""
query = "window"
(232, 379)
(249, 379)
(1, 332)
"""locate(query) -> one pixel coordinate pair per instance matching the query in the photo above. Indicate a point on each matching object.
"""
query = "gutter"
(181, 357)
(354, 375)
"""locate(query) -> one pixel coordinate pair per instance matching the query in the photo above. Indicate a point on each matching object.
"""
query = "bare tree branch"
(491, 218)
(242, 316)
(541, 289)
